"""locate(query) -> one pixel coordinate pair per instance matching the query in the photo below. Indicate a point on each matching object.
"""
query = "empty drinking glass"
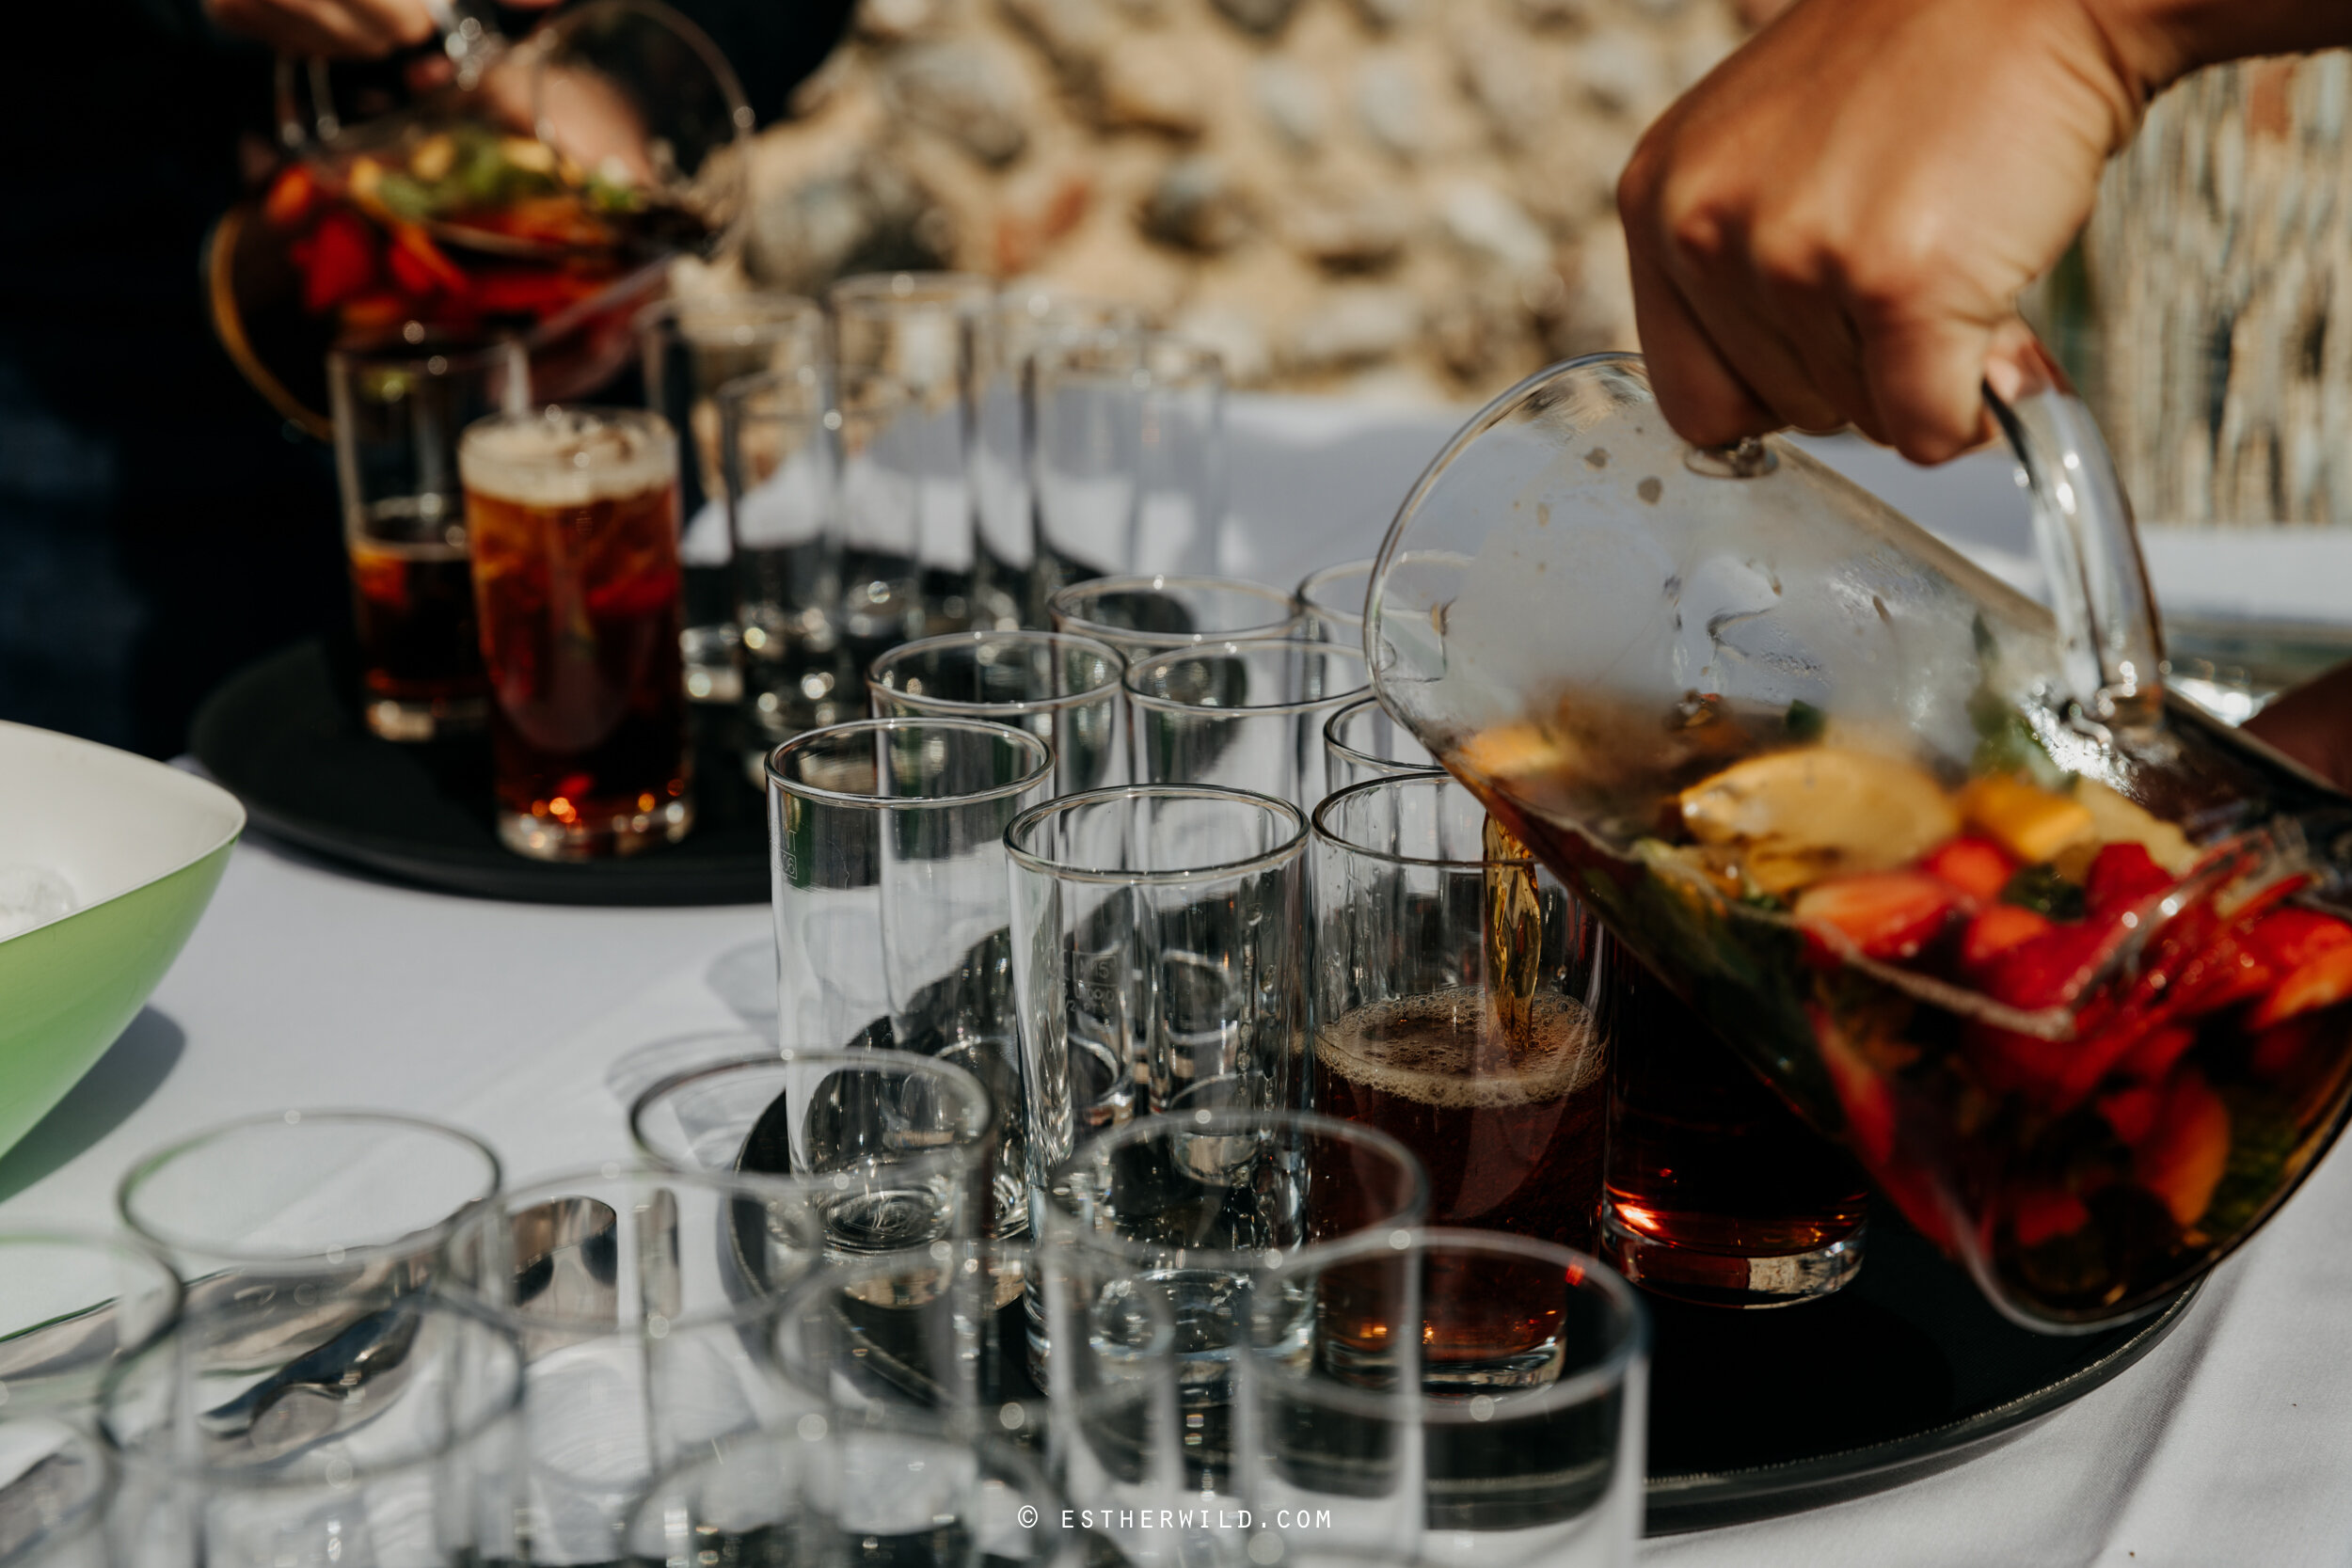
(383, 1443)
(777, 455)
(321, 1216)
(1015, 581)
(1360, 741)
(73, 1308)
(918, 330)
(1201, 1206)
(1331, 602)
(1485, 1392)
(690, 348)
(892, 921)
(645, 1302)
(1179, 457)
(897, 1149)
(1144, 615)
(1060, 686)
(1458, 993)
(1086, 396)
(1242, 714)
(1158, 961)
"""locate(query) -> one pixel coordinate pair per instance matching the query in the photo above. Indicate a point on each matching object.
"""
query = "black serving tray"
(285, 735)
(1906, 1371)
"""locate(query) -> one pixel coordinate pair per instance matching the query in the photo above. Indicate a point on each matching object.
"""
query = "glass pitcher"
(2066, 964)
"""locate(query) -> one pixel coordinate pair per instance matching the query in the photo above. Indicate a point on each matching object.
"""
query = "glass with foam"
(573, 514)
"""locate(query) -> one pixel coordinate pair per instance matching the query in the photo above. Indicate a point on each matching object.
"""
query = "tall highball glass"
(689, 347)
(1360, 742)
(574, 518)
(779, 441)
(1179, 457)
(398, 416)
(1242, 714)
(1202, 1206)
(1483, 1393)
(385, 1443)
(892, 925)
(73, 1309)
(1144, 615)
(1060, 686)
(917, 329)
(1157, 958)
(645, 1302)
(310, 1220)
(1013, 580)
(1458, 996)
(894, 1150)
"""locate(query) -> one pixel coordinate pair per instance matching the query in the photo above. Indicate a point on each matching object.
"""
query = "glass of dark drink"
(573, 514)
(398, 415)
(1477, 1397)
(1715, 1191)
(1458, 989)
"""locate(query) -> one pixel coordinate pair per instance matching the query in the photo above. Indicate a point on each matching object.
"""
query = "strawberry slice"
(2292, 937)
(2132, 1112)
(2051, 970)
(2185, 1155)
(1997, 929)
(292, 195)
(1887, 914)
(2321, 981)
(2121, 876)
(342, 263)
(2279, 1048)
(1978, 866)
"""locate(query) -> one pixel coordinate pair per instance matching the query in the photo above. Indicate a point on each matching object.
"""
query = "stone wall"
(1408, 197)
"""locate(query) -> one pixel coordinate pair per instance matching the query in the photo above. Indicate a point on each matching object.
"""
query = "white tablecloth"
(308, 985)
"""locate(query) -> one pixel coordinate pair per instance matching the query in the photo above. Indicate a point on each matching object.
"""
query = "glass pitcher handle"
(2089, 549)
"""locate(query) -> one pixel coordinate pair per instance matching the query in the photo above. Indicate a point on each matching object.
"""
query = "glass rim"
(1243, 648)
(771, 312)
(125, 1245)
(863, 292)
(948, 707)
(933, 1067)
(737, 391)
(1060, 600)
(1356, 756)
(155, 1161)
(1361, 566)
(1040, 768)
(509, 351)
(260, 1476)
(1029, 860)
(1230, 1122)
(1326, 834)
(1628, 1337)
(585, 1182)
(843, 1274)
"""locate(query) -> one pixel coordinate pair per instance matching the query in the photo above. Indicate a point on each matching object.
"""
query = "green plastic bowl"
(142, 845)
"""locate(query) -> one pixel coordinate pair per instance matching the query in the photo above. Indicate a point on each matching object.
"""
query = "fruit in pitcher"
(1800, 815)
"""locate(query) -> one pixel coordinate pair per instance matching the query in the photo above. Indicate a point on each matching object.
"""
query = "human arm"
(1836, 223)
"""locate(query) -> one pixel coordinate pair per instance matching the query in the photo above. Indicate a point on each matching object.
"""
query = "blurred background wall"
(1410, 198)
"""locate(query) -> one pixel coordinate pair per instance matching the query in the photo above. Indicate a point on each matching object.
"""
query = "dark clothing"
(159, 524)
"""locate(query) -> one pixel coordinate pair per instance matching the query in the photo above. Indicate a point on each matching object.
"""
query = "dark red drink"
(1714, 1191)
(574, 520)
(420, 657)
(1511, 1139)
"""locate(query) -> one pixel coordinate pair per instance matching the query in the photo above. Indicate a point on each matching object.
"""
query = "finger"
(1814, 323)
(394, 23)
(1699, 392)
(1925, 376)
(1746, 332)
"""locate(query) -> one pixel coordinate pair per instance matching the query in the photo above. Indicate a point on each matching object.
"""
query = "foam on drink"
(1442, 1049)
(567, 458)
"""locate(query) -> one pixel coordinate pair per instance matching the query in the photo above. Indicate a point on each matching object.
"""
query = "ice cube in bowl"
(107, 860)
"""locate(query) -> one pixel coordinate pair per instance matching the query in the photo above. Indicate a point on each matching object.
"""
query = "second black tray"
(283, 736)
